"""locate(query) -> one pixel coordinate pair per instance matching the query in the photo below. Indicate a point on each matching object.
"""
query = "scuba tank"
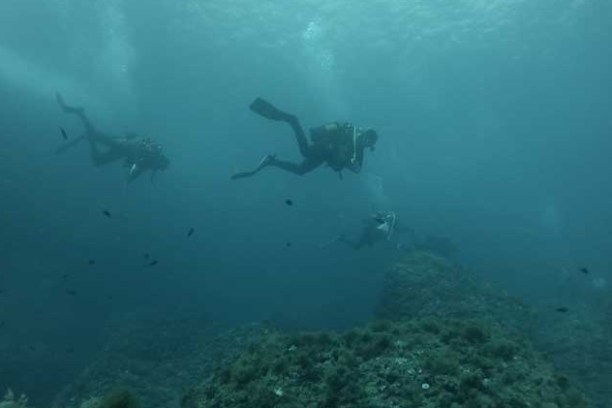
(329, 132)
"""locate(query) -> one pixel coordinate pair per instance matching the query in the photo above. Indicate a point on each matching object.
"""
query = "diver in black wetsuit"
(138, 155)
(378, 227)
(339, 145)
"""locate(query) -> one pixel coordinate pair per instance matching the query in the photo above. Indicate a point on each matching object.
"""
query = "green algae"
(424, 363)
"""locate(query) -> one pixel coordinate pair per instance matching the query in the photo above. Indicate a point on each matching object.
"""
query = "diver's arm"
(136, 169)
(356, 164)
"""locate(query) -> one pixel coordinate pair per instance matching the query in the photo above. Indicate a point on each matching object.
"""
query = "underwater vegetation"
(423, 284)
(444, 339)
(116, 398)
(156, 360)
(413, 363)
(580, 344)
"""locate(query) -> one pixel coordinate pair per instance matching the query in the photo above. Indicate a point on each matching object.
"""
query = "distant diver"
(139, 155)
(378, 227)
(339, 145)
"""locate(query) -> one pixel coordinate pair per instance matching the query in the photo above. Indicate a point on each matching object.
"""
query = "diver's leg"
(270, 160)
(300, 169)
(262, 164)
(102, 158)
(300, 136)
(79, 111)
(269, 111)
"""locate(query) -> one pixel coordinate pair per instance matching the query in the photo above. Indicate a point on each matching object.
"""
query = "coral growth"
(428, 363)
(156, 364)
(117, 398)
(423, 284)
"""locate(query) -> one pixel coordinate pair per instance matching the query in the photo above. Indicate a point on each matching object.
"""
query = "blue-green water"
(495, 124)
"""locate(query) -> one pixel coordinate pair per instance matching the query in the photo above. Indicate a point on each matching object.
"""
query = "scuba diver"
(339, 145)
(378, 227)
(139, 155)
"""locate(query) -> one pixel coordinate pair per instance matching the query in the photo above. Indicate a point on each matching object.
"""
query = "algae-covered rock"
(157, 360)
(580, 343)
(423, 284)
(417, 363)
(10, 400)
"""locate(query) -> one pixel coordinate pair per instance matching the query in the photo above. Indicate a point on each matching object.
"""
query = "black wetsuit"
(139, 156)
(335, 147)
(340, 146)
(369, 236)
(378, 227)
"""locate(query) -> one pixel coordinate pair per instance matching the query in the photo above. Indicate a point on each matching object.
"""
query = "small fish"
(107, 213)
(289, 202)
(146, 255)
(109, 297)
(2, 324)
(584, 270)
(153, 262)
(65, 275)
(288, 244)
(91, 262)
(64, 134)
(190, 233)
(71, 292)
(562, 309)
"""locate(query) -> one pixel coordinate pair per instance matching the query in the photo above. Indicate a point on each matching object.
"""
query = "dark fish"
(562, 309)
(190, 233)
(2, 324)
(107, 213)
(146, 255)
(153, 262)
(289, 202)
(64, 134)
(288, 244)
(91, 262)
(32, 348)
(65, 275)
(71, 292)
(584, 270)
(109, 297)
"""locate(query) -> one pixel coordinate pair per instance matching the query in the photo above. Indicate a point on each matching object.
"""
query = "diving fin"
(65, 108)
(267, 110)
(265, 161)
